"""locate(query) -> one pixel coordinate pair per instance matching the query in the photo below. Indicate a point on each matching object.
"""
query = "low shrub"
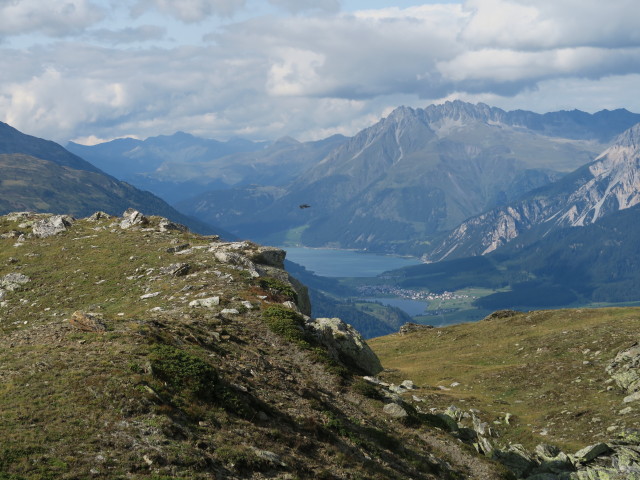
(182, 371)
(278, 289)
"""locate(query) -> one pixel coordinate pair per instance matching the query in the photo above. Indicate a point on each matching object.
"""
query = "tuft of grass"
(182, 371)
(278, 289)
(286, 323)
(366, 389)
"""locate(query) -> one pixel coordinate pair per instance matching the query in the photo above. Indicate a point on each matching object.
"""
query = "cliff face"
(132, 348)
(609, 184)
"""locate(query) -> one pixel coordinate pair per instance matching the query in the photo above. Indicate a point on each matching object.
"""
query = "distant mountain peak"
(629, 138)
(286, 140)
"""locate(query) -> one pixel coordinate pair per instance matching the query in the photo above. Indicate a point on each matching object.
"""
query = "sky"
(95, 70)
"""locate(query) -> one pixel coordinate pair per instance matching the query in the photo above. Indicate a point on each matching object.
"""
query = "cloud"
(190, 11)
(143, 33)
(351, 56)
(297, 6)
(57, 19)
(544, 24)
(315, 74)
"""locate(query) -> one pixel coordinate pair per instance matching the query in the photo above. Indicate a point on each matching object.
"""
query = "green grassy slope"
(546, 368)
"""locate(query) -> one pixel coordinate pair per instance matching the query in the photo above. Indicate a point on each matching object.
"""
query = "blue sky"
(93, 70)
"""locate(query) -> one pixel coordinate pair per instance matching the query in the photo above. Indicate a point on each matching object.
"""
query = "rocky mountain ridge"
(133, 348)
(609, 184)
(180, 166)
(415, 174)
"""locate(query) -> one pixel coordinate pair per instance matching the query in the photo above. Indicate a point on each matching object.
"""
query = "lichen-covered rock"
(345, 344)
(176, 269)
(625, 369)
(13, 281)
(87, 322)
(269, 256)
(98, 216)
(132, 217)
(516, 459)
(167, 225)
(52, 225)
(394, 410)
(205, 302)
(592, 451)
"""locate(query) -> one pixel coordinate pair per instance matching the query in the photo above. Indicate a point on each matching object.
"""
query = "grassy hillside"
(112, 366)
(545, 368)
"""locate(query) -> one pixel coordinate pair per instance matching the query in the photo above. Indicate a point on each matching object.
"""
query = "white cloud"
(310, 75)
(297, 6)
(54, 18)
(143, 33)
(523, 24)
(190, 11)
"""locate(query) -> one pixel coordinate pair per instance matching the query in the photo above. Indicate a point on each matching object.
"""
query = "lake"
(328, 262)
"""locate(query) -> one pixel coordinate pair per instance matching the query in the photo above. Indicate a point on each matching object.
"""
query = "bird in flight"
(304, 205)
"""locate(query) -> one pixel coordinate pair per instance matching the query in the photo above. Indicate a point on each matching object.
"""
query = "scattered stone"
(133, 217)
(52, 225)
(149, 295)
(269, 457)
(176, 269)
(411, 327)
(167, 225)
(291, 305)
(13, 281)
(99, 216)
(483, 445)
(178, 248)
(589, 453)
(394, 410)
(455, 413)
(205, 302)
(481, 428)
(247, 304)
(230, 311)
(11, 234)
(408, 384)
(87, 322)
(634, 397)
(516, 459)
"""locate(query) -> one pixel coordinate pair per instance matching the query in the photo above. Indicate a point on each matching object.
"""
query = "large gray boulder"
(345, 344)
(52, 225)
(133, 217)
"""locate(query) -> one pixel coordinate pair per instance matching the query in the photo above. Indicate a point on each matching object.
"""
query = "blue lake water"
(345, 263)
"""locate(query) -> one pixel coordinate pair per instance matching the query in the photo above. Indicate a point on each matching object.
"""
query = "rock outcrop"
(52, 225)
(345, 344)
(625, 369)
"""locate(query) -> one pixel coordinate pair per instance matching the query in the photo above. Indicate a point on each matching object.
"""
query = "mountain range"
(179, 166)
(604, 186)
(40, 175)
(403, 183)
